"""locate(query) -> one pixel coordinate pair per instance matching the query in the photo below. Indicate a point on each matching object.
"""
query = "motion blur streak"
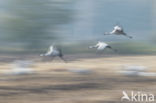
(82, 75)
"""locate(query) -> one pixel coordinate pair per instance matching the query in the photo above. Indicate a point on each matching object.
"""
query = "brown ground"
(53, 83)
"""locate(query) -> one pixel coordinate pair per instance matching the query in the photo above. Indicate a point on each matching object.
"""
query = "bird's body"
(53, 52)
(101, 46)
(118, 30)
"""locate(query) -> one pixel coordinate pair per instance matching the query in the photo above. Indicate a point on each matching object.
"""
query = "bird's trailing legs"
(112, 48)
(127, 36)
(62, 58)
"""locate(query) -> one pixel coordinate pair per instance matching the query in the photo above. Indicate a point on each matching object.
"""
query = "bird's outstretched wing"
(48, 52)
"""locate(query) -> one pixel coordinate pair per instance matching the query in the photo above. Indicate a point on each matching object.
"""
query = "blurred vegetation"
(31, 26)
(32, 23)
(153, 38)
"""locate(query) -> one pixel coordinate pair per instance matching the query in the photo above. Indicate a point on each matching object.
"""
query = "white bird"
(101, 46)
(118, 30)
(53, 52)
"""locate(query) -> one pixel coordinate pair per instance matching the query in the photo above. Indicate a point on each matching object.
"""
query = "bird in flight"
(118, 30)
(100, 46)
(53, 52)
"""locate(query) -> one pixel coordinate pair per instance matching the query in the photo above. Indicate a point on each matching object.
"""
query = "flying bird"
(100, 46)
(53, 52)
(118, 30)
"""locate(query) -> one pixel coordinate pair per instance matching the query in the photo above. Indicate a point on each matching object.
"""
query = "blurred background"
(30, 26)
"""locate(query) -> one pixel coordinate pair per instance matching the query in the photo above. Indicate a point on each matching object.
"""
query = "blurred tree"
(32, 23)
(153, 38)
